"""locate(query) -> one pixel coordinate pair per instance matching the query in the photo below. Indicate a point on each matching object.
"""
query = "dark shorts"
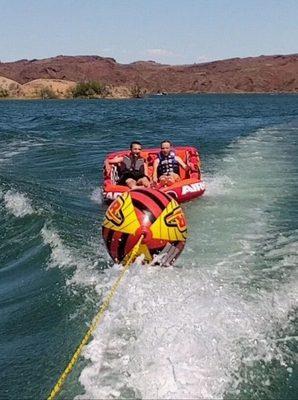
(130, 175)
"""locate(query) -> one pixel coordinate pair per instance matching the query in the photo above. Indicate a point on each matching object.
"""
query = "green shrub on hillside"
(92, 89)
(3, 92)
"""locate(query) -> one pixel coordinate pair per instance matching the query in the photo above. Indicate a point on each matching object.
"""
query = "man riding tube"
(132, 169)
(166, 165)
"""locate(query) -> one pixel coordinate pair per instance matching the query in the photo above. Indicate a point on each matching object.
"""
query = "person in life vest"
(132, 169)
(166, 165)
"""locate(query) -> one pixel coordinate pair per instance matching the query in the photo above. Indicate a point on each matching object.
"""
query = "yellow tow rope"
(95, 322)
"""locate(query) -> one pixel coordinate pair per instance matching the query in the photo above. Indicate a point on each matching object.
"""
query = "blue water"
(221, 324)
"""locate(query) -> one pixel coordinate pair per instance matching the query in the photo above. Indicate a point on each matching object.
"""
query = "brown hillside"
(254, 74)
(13, 88)
(58, 87)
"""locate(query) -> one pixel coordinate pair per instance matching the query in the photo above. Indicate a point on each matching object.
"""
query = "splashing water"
(96, 196)
(17, 203)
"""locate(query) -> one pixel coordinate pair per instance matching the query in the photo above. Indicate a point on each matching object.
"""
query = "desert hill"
(277, 73)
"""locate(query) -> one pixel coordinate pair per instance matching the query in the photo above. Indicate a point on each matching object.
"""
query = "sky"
(166, 31)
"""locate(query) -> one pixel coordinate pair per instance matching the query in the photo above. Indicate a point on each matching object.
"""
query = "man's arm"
(182, 163)
(155, 166)
(109, 161)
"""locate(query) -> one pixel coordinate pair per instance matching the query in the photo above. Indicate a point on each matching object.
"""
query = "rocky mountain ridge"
(277, 73)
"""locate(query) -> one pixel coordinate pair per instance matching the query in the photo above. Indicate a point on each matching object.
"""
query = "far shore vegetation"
(81, 90)
(89, 90)
(95, 89)
(3, 93)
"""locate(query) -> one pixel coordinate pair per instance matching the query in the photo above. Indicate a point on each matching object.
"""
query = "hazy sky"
(168, 31)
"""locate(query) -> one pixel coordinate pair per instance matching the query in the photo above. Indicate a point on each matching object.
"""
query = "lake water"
(222, 323)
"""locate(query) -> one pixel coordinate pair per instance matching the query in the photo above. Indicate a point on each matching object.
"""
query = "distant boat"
(161, 93)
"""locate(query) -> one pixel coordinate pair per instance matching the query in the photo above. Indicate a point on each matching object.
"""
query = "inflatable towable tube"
(149, 216)
(189, 187)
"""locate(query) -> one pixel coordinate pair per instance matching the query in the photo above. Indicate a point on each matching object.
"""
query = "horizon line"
(146, 61)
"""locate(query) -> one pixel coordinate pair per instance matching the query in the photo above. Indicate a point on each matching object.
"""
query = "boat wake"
(216, 324)
(178, 333)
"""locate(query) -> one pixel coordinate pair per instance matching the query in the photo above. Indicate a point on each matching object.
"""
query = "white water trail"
(85, 269)
(177, 333)
(82, 267)
(187, 332)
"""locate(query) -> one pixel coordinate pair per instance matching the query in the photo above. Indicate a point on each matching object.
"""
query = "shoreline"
(8, 98)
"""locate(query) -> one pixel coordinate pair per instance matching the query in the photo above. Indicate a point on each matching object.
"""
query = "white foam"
(173, 333)
(218, 185)
(96, 196)
(85, 269)
(17, 203)
(60, 256)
